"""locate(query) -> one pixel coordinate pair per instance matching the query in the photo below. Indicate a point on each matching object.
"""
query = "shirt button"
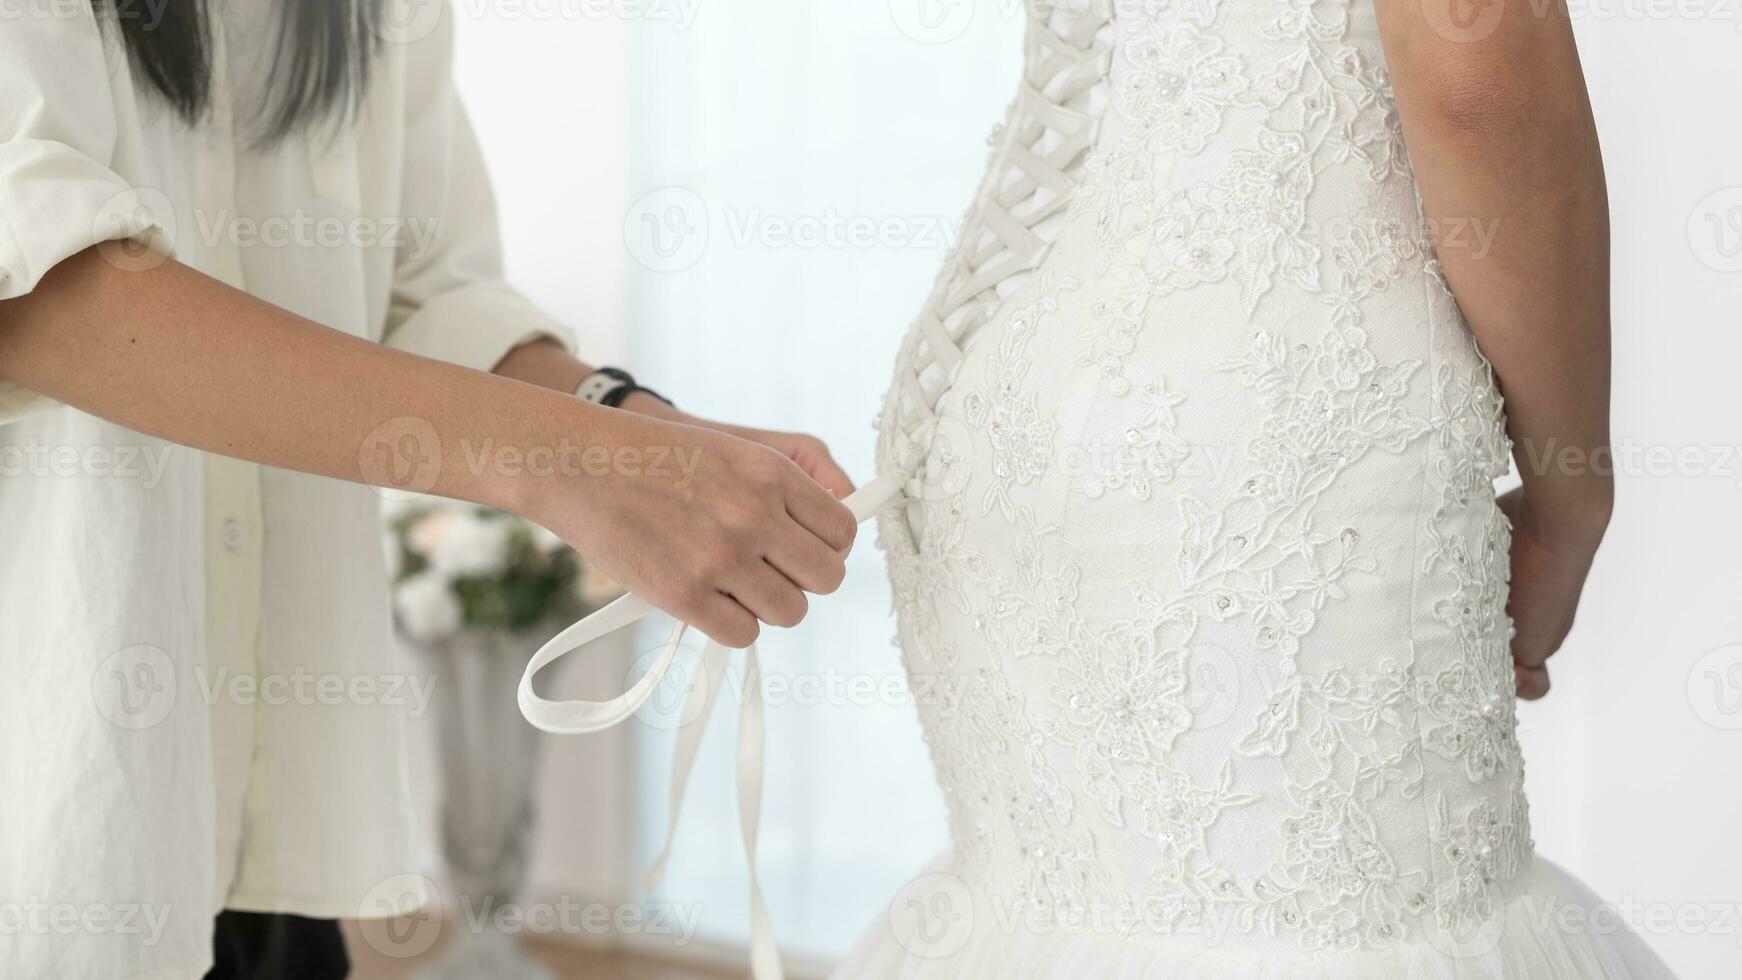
(232, 535)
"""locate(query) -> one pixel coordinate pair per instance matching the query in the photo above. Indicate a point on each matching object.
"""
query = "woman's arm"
(1500, 132)
(717, 530)
(547, 364)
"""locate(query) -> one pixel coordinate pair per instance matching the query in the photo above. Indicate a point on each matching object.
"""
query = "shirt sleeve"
(451, 301)
(58, 133)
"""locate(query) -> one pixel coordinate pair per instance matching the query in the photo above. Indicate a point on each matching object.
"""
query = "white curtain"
(796, 172)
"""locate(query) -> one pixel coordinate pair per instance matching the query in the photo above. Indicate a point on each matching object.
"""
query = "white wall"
(546, 94)
(1633, 783)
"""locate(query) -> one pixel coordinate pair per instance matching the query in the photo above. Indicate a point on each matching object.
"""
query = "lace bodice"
(1200, 577)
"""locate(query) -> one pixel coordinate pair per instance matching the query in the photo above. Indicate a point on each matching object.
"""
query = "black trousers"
(263, 946)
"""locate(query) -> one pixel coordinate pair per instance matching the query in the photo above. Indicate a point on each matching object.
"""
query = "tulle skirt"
(1552, 927)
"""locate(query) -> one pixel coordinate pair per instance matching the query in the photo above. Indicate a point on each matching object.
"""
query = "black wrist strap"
(626, 386)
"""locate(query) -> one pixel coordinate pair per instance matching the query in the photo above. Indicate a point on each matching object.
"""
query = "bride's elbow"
(1523, 83)
(1478, 105)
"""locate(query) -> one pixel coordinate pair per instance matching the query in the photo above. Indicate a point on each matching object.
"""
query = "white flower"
(471, 546)
(394, 506)
(424, 534)
(428, 609)
(546, 540)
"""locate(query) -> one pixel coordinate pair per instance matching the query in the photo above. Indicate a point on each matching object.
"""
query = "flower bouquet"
(458, 567)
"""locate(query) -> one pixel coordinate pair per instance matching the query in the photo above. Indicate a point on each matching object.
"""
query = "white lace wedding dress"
(1200, 577)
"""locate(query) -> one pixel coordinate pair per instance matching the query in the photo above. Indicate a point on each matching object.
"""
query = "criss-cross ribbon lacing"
(1051, 127)
(1014, 220)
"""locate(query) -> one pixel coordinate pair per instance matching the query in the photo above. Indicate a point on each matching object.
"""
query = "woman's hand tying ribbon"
(723, 531)
(582, 717)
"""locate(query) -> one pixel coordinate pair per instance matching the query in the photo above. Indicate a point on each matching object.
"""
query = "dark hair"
(321, 66)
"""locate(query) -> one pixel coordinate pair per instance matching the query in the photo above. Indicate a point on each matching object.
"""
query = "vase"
(488, 759)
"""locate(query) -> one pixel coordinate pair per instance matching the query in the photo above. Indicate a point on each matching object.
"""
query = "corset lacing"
(1040, 155)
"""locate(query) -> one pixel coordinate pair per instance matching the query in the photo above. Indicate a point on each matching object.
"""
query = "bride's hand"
(1550, 560)
(729, 535)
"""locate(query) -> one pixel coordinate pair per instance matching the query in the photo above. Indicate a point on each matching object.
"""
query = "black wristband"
(614, 396)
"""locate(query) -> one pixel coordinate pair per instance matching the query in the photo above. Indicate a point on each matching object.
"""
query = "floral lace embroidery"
(1006, 409)
(1152, 451)
(1180, 83)
(1324, 105)
(1060, 732)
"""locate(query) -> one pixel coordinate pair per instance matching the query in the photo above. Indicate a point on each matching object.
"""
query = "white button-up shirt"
(200, 706)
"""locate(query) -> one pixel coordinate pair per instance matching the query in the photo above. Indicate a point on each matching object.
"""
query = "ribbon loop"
(587, 717)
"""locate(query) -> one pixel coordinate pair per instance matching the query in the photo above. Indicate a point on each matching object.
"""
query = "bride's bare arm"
(1500, 132)
(723, 532)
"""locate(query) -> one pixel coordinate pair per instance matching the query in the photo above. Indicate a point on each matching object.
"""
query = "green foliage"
(537, 585)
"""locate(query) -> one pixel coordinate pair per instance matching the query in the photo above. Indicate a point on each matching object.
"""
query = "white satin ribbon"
(587, 717)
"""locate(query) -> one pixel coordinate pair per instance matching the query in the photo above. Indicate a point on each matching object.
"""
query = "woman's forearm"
(177, 354)
(1501, 135)
(547, 364)
(717, 530)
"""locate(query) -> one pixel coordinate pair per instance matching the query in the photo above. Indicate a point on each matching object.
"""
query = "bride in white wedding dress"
(1200, 564)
